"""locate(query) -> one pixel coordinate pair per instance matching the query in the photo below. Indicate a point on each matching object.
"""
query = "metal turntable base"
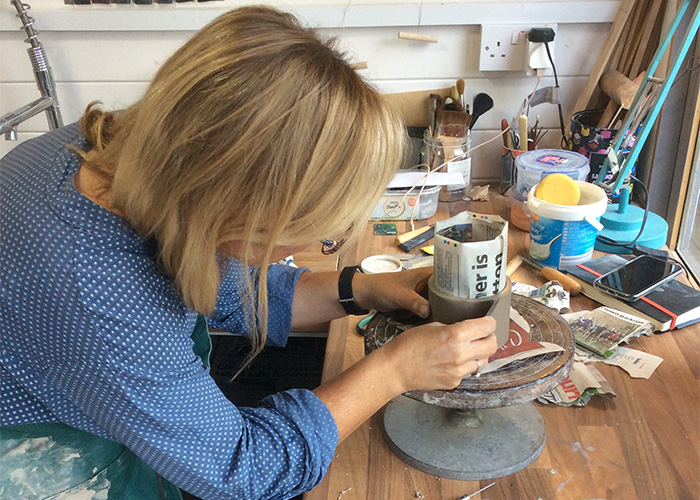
(464, 444)
(487, 427)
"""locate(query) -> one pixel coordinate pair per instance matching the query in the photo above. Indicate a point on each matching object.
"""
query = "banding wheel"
(487, 427)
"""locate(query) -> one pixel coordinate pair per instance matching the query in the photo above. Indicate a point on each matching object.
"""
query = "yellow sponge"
(558, 189)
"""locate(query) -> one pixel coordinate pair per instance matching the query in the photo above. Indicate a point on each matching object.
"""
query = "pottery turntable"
(487, 427)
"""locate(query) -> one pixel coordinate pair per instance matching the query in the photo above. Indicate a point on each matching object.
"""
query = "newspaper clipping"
(470, 255)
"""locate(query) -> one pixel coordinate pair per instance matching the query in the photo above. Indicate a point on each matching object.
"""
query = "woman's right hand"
(437, 356)
(428, 357)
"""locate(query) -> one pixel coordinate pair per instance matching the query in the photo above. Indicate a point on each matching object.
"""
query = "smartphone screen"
(638, 277)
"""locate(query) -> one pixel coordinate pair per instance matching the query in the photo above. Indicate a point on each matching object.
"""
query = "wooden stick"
(631, 40)
(602, 62)
(651, 20)
(405, 35)
(674, 230)
(609, 114)
(614, 118)
(514, 265)
(359, 65)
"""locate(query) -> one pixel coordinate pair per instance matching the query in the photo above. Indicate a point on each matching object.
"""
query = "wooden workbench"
(643, 444)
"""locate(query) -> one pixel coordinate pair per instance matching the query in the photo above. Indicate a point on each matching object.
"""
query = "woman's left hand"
(391, 291)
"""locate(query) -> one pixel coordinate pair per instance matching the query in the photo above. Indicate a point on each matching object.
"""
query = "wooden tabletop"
(643, 444)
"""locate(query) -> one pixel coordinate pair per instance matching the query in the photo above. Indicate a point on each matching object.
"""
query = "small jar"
(455, 153)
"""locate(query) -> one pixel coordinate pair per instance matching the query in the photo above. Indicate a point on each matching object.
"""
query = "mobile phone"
(638, 277)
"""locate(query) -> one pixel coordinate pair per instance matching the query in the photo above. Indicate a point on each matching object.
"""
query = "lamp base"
(624, 227)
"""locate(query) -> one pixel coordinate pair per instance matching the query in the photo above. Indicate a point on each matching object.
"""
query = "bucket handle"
(594, 222)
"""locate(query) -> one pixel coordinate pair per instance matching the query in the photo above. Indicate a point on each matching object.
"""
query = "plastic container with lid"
(381, 264)
(399, 204)
(518, 216)
(533, 166)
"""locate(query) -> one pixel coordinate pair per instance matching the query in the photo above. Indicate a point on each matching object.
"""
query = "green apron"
(56, 461)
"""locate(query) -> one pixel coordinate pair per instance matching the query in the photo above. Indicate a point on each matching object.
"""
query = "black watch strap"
(345, 296)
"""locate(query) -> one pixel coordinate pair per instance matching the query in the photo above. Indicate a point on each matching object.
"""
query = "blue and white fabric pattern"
(92, 335)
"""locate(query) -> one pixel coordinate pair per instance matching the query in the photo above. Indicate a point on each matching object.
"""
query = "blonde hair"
(254, 130)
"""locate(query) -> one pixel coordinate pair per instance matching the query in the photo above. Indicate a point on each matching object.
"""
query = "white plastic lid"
(552, 161)
(533, 166)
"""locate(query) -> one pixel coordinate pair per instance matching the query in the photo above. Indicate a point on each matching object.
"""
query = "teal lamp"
(626, 225)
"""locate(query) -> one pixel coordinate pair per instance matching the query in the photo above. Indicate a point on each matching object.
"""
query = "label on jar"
(463, 167)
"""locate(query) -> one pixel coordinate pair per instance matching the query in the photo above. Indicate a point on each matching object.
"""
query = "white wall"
(109, 53)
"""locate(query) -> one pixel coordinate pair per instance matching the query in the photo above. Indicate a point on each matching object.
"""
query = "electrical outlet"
(504, 47)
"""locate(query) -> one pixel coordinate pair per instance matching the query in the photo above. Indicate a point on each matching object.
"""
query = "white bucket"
(562, 236)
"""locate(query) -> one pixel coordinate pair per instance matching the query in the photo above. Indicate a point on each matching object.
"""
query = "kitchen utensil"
(482, 103)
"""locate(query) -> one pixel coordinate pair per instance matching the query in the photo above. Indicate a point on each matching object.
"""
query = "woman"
(254, 140)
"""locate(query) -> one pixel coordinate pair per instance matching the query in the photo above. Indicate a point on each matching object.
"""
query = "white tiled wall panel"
(115, 67)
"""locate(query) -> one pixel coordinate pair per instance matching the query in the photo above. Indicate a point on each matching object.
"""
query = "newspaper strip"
(469, 255)
(580, 386)
(604, 328)
(638, 364)
(551, 294)
(519, 346)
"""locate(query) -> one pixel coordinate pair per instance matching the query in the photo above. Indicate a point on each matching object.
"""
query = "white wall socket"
(504, 47)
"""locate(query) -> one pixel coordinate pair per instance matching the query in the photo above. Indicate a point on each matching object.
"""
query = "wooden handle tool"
(403, 238)
(409, 245)
(522, 125)
(570, 285)
(505, 132)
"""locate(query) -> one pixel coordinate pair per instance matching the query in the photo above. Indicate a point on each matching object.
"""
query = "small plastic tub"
(533, 166)
(380, 264)
(399, 204)
(518, 216)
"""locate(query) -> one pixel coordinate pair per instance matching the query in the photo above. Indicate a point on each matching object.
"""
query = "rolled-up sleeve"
(229, 314)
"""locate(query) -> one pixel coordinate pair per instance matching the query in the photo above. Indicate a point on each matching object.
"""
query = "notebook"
(669, 306)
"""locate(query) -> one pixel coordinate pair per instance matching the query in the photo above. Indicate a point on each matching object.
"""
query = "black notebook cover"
(671, 305)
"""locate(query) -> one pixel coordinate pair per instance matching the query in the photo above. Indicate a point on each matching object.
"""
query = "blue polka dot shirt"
(93, 336)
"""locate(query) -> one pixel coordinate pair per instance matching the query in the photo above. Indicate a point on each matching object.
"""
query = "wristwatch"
(345, 296)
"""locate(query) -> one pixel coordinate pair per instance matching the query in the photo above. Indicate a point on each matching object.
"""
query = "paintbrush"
(434, 103)
(453, 123)
(460, 91)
